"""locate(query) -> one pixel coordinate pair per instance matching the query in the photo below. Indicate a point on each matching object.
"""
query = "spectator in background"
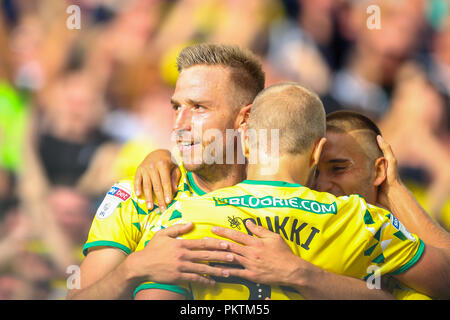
(13, 111)
(139, 101)
(38, 245)
(438, 62)
(14, 287)
(438, 71)
(129, 86)
(241, 23)
(69, 139)
(295, 45)
(367, 78)
(417, 141)
(68, 164)
(24, 274)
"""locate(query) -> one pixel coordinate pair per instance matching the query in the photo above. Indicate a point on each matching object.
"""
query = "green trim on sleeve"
(168, 287)
(105, 243)
(413, 260)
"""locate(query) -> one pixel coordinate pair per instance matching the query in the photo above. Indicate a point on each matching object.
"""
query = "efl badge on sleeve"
(113, 198)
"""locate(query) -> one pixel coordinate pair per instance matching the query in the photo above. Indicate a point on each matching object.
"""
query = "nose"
(183, 119)
(323, 184)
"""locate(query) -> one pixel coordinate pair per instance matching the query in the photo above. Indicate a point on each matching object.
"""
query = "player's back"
(342, 235)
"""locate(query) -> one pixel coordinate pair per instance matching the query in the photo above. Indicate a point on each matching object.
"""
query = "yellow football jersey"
(122, 217)
(344, 235)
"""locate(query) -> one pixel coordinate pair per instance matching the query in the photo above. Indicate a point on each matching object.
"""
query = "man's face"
(344, 168)
(202, 114)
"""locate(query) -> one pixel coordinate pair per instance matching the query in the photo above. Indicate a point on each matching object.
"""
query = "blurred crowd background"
(81, 108)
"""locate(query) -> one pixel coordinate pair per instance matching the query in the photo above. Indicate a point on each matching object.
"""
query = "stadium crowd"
(81, 108)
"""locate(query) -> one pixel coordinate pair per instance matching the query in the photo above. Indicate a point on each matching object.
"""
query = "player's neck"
(292, 169)
(219, 176)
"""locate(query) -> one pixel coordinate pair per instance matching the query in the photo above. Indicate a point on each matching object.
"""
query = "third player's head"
(351, 161)
(214, 92)
(293, 119)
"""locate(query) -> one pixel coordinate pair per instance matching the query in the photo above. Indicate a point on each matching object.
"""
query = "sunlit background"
(80, 108)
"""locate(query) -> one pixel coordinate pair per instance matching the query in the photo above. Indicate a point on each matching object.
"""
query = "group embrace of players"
(331, 218)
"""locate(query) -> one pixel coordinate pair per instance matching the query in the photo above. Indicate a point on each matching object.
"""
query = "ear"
(380, 171)
(243, 133)
(317, 151)
(242, 117)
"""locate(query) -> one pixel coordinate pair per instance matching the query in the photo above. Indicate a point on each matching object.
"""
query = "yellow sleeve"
(181, 289)
(390, 247)
(147, 236)
(119, 221)
(113, 224)
(402, 249)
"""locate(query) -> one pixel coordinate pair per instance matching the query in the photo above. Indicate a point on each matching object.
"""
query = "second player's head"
(351, 161)
(214, 91)
(293, 119)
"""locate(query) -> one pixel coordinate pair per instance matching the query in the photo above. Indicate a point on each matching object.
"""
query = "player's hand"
(266, 258)
(167, 259)
(392, 176)
(157, 174)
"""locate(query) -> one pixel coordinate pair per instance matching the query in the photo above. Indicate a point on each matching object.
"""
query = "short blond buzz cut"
(246, 71)
(295, 111)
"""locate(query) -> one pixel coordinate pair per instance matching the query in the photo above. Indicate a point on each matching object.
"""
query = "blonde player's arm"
(165, 259)
(111, 281)
(109, 243)
(395, 196)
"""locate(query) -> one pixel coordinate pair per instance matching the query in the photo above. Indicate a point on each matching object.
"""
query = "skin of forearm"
(117, 284)
(439, 285)
(406, 208)
(317, 284)
(443, 291)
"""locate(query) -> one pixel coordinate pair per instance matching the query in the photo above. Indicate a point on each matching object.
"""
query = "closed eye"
(339, 165)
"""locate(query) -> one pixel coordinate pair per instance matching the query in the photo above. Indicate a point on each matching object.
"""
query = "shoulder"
(320, 196)
(199, 202)
(122, 189)
(223, 192)
(121, 196)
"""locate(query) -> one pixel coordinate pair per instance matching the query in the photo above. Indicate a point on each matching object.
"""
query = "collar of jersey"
(272, 183)
(194, 186)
